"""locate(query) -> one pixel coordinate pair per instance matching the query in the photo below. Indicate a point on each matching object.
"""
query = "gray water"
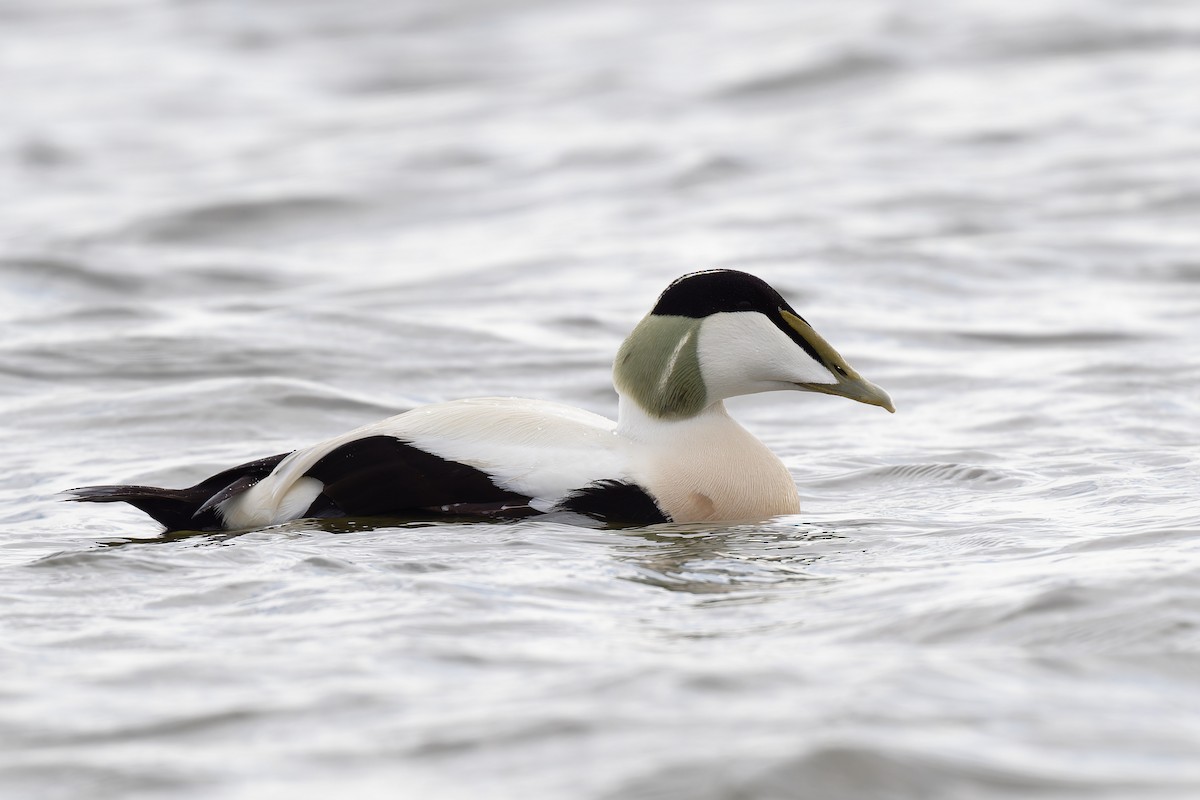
(231, 229)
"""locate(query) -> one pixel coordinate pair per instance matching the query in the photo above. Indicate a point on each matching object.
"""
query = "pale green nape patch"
(659, 367)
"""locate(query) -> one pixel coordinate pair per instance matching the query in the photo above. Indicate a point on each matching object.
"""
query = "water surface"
(232, 230)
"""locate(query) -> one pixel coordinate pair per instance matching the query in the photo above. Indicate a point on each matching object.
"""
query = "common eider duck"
(673, 455)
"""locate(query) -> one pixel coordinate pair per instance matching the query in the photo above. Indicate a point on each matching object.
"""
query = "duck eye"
(744, 304)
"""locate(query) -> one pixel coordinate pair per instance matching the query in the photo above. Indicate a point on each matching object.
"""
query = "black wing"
(384, 475)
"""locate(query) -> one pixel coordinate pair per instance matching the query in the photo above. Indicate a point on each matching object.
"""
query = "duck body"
(673, 454)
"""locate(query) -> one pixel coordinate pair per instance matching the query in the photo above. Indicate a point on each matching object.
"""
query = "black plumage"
(384, 475)
(719, 291)
(190, 509)
(615, 502)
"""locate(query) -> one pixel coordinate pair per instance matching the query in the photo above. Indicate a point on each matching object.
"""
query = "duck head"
(723, 333)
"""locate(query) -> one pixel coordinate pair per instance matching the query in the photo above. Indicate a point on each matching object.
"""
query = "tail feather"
(190, 509)
(173, 508)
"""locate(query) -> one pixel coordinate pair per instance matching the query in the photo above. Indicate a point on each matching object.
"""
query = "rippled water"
(232, 229)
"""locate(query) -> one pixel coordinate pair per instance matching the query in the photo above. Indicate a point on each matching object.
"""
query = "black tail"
(174, 508)
(191, 509)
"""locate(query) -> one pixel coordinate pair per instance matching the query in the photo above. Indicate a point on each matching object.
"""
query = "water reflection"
(723, 560)
(335, 525)
(695, 559)
(197, 538)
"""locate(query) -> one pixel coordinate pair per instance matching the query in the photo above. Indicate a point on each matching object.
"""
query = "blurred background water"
(231, 229)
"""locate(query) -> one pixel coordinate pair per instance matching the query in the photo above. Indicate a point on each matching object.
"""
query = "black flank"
(615, 502)
(382, 475)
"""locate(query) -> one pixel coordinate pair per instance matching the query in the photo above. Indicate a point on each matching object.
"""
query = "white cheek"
(743, 352)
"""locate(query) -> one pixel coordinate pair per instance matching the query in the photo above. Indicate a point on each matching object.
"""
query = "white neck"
(634, 422)
(705, 467)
